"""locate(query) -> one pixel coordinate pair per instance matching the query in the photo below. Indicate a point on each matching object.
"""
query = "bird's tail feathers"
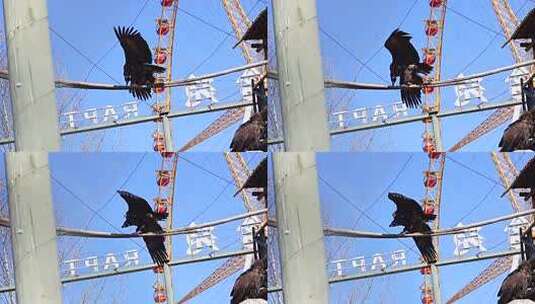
(161, 216)
(155, 68)
(424, 68)
(430, 217)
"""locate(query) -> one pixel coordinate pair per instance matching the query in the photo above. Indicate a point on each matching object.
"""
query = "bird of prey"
(520, 284)
(252, 284)
(257, 179)
(520, 135)
(138, 69)
(141, 215)
(251, 135)
(411, 216)
(407, 66)
(525, 180)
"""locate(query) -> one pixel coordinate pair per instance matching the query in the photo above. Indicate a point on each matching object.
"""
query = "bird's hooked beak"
(124, 225)
(393, 224)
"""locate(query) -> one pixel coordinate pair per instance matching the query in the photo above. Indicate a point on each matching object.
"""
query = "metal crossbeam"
(215, 256)
(407, 268)
(145, 119)
(415, 118)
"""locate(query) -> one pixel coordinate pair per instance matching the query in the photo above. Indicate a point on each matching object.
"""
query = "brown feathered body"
(520, 284)
(138, 69)
(407, 66)
(411, 216)
(525, 180)
(141, 215)
(252, 284)
(251, 135)
(257, 179)
(520, 135)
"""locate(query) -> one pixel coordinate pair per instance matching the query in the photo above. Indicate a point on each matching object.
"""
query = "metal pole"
(168, 135)
(302, 252)
(437, 132)
(31, 83)
(33, 229)
(301, 80)
(435, 277)
(167, 274)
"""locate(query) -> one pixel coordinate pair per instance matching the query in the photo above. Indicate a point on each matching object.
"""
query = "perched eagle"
(257, 179)
(252, 284)
(251, 135)
(407, 66)
(141, 215)
(138, 69)
(520, 135)
(520, 284)
(411, 216)
(525, 180)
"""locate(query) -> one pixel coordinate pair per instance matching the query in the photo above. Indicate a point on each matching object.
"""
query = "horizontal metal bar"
(61, 83)
(338, 232)
(415, 118)
(144, 119)
(142, 268)
(371, 274)
(341, 84)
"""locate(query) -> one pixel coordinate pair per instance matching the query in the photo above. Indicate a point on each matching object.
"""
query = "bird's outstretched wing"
(138, 208)
(257, 179)
(406, 206)
(526, 177)
(136, 49)
(401, 49)
(155, 244)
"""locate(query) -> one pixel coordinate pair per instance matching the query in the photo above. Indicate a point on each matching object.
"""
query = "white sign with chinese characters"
(468, 240)
(468, 91)
(246, 232)
(111, 261)
(513, 232)
(378, 261)
(202, 239)
(198, 91)
(246, 89)
(101, 115)
(516, 91)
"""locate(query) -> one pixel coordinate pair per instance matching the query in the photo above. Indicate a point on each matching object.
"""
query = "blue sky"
(204, 192)
(469, 47)
(471, 193)
(203, 44)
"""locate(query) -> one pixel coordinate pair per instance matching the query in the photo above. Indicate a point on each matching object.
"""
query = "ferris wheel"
(163, 141)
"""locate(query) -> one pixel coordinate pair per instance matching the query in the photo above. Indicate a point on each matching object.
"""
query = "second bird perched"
(520, 284)
(407, 66)
(138, 69)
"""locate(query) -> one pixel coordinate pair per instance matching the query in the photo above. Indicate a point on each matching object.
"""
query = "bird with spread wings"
(141, 215)
(411, 216)
(407, 66)
(138, 69)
